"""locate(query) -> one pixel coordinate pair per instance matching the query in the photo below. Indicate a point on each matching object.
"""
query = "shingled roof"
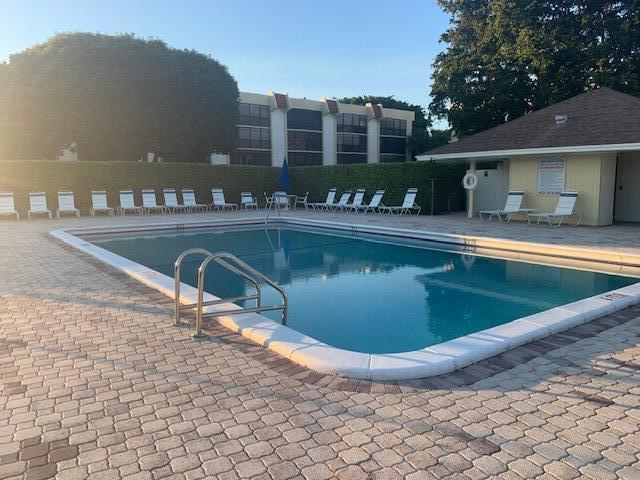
(598, 117)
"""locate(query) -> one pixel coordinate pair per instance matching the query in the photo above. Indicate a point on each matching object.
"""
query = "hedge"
(50, 176)
(393, 178)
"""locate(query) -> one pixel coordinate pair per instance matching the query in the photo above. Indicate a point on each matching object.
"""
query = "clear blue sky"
(306, 48)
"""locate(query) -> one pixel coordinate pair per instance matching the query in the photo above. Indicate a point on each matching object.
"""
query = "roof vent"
(560, 119)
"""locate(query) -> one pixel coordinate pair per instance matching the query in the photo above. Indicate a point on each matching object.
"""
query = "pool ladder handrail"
(234, 265)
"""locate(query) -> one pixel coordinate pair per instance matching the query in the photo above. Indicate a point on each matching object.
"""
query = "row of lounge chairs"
(565, 210)
(357, 205)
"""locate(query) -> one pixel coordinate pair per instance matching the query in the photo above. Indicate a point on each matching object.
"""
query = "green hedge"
(448, 194)
(50, 176)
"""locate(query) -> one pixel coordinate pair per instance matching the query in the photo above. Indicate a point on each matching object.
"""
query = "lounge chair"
(66, 204)
(512, 205)
(171, 201)
(189, 200)
(38, 205)
(564, 209)
(247, 201)
(127, 203)
(149, 202)
(408, 205)
(356, 203)
(219, 203)
(374, 204)
(99, 203)
(344, 200)
(301, 201)
(331, 197)
(7, 205)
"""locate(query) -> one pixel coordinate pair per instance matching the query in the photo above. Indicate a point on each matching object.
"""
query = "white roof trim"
(613, 147)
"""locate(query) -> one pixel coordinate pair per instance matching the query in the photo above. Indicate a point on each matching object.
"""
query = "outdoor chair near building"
(38, 205)
(356, 203)
(374, 204)
(301, 201)
(66, 204)
(247, 201)
(189, 200)
(7, 205)
(219, 202)
(149, 202)
(99, 203)
(128, 204)
(171, 201)
(344, 200)
(331, 198)
(565, 209)
(513, 206)
(408, 206)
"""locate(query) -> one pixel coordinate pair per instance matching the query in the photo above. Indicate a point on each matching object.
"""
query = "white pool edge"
(435, 360)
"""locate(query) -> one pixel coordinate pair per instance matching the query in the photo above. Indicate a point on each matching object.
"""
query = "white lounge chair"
(374, 204)
(189, 199)
(331, 197)
(128, 204)
(356, 203)
(171, 201)
(38, 205)
(219, 203)
(513, 205)
(564, 209)
(7, 205)
(344, 200)
(66, 204)
(408, 205)
(149, 202)
(247, 201)
(99, 203)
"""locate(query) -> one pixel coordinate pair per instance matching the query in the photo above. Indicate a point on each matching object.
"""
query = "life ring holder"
(470, 181)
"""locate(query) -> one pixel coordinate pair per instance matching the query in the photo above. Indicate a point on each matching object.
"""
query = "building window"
(393, 126)
(344, 158)
(252, 137)
(300, 119)
(252, 114)
(394, 145)
(251, 158)
(300, 159)
(351, 123)
(392, 158)
(352, 143)
(310, 141)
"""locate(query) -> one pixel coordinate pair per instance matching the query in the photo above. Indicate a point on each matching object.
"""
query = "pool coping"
(434, 360)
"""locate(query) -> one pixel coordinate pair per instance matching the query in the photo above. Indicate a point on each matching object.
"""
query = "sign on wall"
(551, 176)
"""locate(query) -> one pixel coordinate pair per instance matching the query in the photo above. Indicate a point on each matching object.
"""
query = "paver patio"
(97, 383)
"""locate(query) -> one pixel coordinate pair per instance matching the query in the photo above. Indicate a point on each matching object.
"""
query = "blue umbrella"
(285, 180)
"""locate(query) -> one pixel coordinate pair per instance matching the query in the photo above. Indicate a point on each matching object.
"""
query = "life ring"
(470, 181)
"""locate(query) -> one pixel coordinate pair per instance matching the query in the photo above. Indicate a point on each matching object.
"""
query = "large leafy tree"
(422, 137)
(505, 58)
(116, 97)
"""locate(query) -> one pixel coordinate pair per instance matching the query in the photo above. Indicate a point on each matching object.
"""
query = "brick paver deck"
(95, 382)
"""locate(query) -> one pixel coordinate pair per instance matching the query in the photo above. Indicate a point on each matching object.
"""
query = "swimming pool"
(376, 302)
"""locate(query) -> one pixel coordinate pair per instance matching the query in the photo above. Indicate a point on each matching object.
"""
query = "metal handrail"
(220, 259)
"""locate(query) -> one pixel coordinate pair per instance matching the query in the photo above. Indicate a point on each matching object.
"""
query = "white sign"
(551, 176)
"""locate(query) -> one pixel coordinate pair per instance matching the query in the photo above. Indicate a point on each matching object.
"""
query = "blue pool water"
(366, 295)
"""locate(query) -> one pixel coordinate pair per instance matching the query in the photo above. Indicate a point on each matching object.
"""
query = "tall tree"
(505, 58)
(116, 97)
(422, 137)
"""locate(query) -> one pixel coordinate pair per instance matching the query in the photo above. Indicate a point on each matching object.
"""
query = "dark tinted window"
(251, 137)
(299, 159)
(305, 140)
(252, 114)
(351, 123)
(393, 126)
(393, 145)
(301, 119)
(251, 158)
(352, 143)
(351, 158)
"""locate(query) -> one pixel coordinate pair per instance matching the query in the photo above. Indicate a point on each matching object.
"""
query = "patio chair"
(301, 201)
(189, 200)
(7, 205)
(374, 204)
(38, 205)
(127, 203)
(356, 203)
(331, 197)
(512, 205)
(344, 200)
(564, 209)
(66, 204)
(408, 205)
(149, 202)
(247, 201)
(278, 200)
(99, 203)
(219, 203)
(171, 201)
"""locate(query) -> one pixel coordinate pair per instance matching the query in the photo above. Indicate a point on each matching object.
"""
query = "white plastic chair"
(301, 201)
(356, 203)
(7, 205)
(344, 200)
(189, 200)
(38, 205)
(374, 204)
(66, 204)
(127, 203)
(149, 202)
(219, 202)
(408, 205)
(247, 201)
(564, 209)
(99, 203)
(331, 198)
(171, 201)
(512, 205)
